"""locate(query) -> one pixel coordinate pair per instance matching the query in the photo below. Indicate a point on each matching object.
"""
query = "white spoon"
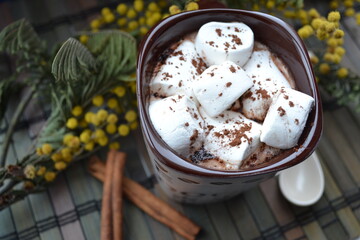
(303, 184)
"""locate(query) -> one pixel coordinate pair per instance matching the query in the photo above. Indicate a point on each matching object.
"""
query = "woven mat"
(70, 208)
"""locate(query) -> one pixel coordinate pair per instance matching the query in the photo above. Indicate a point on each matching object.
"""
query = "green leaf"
(20, 36)
(115, 51)
(126, 78)
(299, 4)
(73, 62)
(6, 89)
(55, 137)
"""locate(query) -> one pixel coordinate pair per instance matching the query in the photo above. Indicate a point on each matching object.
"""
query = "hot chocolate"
(224, 101)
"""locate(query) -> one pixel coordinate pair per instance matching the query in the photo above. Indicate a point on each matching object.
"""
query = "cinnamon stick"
(106, 212)
(149, 203)
(117, 191)
(160, 210)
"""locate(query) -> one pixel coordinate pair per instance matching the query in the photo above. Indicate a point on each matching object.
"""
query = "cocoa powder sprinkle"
(194, 136)
(210, 127)
(248, 95)
(281, 111)
(241, 134)
(218, 135)
(228, 84)
(232, 69)
(236, 39)
(263, 93)
(194, 63)
(167, 75)
(291, 104)
(218, 31)
(178, 53)
(201, 66)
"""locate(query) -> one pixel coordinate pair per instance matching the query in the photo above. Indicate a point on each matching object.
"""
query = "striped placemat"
(70, 208)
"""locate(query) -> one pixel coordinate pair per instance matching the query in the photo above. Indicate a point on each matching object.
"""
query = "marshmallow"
(178, 122)
(231, 137)
(178, 71)
(217, 42)
(263, 69)
(219, 86)
(286, 119)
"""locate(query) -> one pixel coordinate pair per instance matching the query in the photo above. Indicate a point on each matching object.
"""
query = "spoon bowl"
(303, 184)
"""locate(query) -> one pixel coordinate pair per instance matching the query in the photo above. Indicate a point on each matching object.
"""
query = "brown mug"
(185, 181)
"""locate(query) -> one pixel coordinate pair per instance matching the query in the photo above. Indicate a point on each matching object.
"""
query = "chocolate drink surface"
(224, 101)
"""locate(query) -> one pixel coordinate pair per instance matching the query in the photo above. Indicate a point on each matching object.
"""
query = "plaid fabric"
(70, 208)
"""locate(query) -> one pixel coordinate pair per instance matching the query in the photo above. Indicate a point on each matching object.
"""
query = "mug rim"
(170, 157)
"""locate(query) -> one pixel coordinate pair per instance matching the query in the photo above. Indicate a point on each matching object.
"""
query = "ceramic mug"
(185, 181)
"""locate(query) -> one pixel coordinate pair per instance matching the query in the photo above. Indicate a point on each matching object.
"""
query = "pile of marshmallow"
(195, 91)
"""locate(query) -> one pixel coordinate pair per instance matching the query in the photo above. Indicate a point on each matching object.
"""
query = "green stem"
(19, 110)
(8, 186)
(102, 90)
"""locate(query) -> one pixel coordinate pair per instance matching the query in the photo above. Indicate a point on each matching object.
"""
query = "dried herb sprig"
(76, 75)
(20, 40)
